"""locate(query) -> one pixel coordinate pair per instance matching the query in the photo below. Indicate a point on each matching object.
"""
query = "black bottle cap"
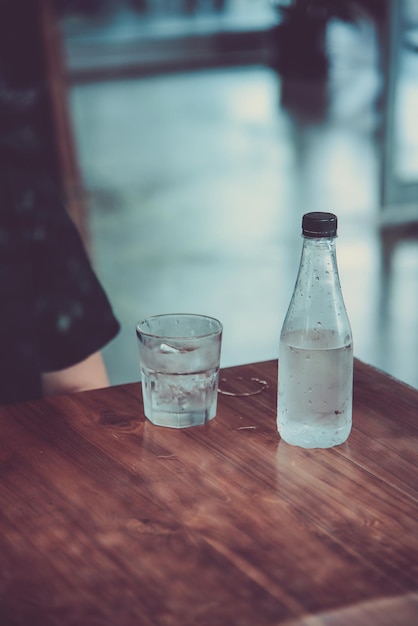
(319, 224)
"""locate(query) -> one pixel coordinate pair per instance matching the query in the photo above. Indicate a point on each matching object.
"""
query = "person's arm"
(88, 374)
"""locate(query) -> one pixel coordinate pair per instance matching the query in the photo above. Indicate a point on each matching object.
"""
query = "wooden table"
(106, 519)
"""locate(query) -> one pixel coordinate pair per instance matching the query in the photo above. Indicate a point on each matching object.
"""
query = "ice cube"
(165, 348)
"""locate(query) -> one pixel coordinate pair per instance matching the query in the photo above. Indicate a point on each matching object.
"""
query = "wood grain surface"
(107, 520)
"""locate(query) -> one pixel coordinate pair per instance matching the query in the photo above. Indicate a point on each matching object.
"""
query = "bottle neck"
(316, 311)
(319, 242)
(318, 261)
(317, 300)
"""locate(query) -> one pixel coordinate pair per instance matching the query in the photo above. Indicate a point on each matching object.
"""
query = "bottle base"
(306, 436)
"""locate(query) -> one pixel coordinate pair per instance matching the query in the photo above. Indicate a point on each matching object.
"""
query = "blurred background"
(196, 133)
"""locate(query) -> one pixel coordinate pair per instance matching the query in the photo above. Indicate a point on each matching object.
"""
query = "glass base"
(180, 420)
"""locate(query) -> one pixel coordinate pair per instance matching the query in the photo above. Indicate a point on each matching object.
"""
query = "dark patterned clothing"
(53, 311)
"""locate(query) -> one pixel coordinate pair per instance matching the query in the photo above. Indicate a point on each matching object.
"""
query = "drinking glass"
(179, 357)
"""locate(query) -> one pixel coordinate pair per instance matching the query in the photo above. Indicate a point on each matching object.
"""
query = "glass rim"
(211, 333)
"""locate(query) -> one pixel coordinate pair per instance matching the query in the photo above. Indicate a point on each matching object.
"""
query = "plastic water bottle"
(316, 347)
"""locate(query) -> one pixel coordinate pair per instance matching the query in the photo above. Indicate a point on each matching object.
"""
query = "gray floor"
(197, 183)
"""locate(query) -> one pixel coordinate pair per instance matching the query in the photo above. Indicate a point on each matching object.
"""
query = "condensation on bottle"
(315, 386)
